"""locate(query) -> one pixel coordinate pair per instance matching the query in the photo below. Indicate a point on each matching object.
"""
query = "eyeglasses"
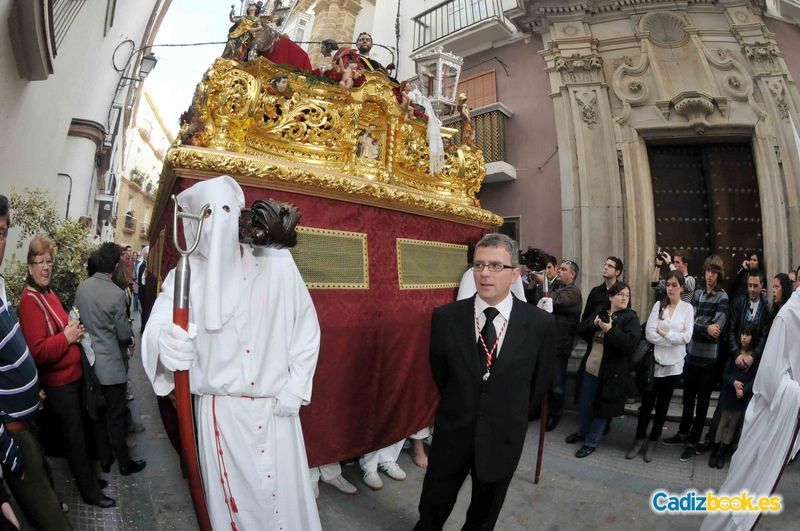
(48, 263)
(494, 267)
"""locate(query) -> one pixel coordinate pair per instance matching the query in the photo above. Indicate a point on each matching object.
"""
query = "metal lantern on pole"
(438, 72)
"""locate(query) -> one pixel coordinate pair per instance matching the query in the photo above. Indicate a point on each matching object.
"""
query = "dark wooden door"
(706, 200)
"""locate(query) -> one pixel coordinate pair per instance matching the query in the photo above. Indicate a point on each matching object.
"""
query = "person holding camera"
(564, 303)
(612, 334)
(679, 262)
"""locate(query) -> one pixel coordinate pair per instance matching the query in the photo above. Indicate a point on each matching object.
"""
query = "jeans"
(698, 382)
(590, 427)
(558, 389)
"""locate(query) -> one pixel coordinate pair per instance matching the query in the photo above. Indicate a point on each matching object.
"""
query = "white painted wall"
(35, 115)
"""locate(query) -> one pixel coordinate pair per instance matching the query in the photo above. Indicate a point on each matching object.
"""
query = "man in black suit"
(491, 358)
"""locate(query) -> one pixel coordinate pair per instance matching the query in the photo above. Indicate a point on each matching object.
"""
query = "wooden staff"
(543, 427)
(183, 397)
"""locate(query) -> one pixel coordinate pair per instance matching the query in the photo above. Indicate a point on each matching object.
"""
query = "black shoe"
(552, 422)
(712, 460)
(584, 451)
(105, 467)
(105, 502)
(132, 467)
(722, 456)
(676, 440)
(703, 447)
(575, 438)
(103, 483)
(688, 452)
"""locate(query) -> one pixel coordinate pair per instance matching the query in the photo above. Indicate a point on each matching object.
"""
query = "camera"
(604, 317)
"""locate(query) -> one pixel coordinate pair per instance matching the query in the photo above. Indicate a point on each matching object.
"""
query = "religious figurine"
(465, 112)
(243, 32)
(368, 145)
(405, 100)
(279, 86)
(346, 64)
(364, 44)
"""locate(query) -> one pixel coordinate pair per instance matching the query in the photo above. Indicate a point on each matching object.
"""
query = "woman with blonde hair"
(53, 341)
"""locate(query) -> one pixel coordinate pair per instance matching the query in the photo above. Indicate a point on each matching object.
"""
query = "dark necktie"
(489, 335)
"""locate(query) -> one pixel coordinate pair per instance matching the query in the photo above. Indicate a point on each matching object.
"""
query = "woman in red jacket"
(53, 342)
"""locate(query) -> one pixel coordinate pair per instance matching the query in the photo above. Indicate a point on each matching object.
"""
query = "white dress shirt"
(504, 307)
(670, 350)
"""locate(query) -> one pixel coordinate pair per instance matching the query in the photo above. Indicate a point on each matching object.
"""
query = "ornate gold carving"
(306, 179)
(314, 124)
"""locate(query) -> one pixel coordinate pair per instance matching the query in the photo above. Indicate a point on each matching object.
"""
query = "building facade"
(69, 74)
(628, 126)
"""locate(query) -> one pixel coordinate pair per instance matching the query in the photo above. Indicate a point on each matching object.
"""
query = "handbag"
(642, 364)
(93, 398)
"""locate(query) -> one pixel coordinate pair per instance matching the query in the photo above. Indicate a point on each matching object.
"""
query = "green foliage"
(34, 212)
(137, 177)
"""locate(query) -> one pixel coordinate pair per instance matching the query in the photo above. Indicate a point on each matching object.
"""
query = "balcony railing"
(451, 16)
(489, 124)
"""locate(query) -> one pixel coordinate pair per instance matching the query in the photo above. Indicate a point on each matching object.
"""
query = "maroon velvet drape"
(372, 386)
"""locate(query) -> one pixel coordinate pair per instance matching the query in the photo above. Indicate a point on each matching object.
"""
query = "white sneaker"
(393, 470)
(373, 480)
(341, 484)
(315, 484)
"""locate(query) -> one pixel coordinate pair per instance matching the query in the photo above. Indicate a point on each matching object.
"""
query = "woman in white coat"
(669, 328)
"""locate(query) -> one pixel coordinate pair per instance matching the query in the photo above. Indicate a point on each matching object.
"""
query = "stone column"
(333, 19)
(591, 199)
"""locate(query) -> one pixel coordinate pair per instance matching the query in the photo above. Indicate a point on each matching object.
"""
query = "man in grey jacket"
(102, 306)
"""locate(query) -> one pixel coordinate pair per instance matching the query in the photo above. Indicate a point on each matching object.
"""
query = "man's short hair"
(4, 209)
(551, 260)
(618, 265)
(106, 257)
(756, 273)
(572, 265)
(128, 247)
(363, 33)
(495, 239)
(685, 254)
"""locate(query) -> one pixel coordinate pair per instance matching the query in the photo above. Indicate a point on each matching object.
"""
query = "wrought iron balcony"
(489, 124)
(460, 25)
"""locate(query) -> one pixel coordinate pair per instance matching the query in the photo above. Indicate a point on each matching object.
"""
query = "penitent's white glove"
(287, 405)
(546, 304)
(176, 347)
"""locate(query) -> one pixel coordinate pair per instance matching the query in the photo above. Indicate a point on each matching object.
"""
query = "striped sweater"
(19, 384)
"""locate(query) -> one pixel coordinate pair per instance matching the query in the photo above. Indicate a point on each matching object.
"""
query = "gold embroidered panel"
(332, 259)
(429, 265)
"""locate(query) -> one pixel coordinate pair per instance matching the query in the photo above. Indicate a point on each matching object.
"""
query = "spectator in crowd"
(750, 307)
(699, 374)
(134, 283)
(564, 303)
(21, 453)
(102, 306)
(535, 289)
(598, 296)
(781, 291)
(735, 393)
(679, 262)
(612, 334)
(54, 342)
(793, 278)
(669, 328)
(753, 262)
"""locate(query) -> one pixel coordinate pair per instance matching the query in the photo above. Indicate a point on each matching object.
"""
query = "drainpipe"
(69, 195)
